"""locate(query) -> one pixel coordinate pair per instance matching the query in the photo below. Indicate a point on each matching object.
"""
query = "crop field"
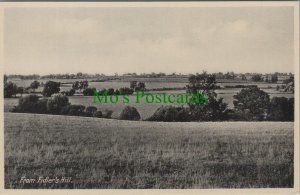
(108, 153)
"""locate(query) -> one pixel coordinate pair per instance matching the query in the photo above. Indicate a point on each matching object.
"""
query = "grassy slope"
(103, 153)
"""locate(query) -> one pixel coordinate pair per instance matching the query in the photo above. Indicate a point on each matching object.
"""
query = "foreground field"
(107, 153)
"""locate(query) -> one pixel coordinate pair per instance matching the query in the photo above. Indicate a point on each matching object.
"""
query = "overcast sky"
(182, 40)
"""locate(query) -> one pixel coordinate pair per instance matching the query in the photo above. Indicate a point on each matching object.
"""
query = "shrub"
(98, 114)
(90, 111)
(88, 91)
(70, 93)
(281, 109)
(65, 110)
(31, 104)
(76, 110)
(110, 91)
(107, 113)
(170, 113)
(56, 103)
(130, 113)
(126, 91)
(27, 103)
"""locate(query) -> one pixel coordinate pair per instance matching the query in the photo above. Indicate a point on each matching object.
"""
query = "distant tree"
(274, 78)
(50, 88)
(5, 79)
(10, 89)
(257, 78)
(20, 90)
(289, 80)
(229, 75)
(75, 85)
(110, 91)
(79, 75)
(34, 85)
(88, 91)
(244, 77)
(71, 92)
(141, 86)
(133, 84)
(83, 84)
(251, 103)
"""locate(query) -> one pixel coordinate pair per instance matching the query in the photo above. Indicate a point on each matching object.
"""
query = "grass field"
(107, 153)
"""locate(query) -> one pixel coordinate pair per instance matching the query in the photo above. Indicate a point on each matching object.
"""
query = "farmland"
(145, 110)
(107, 153)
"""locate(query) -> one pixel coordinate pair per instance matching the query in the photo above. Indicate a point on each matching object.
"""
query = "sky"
(144, 40)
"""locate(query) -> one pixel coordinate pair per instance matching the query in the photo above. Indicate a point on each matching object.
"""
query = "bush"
(65, 110)
(98, 114)
(125, 91)
(170, 113)
(90, 111)
(76, 110)
(107, 113)
(281, 109)
(130, 113)
(88, 91)
(70, 93)
(31, 104)
(56, 103)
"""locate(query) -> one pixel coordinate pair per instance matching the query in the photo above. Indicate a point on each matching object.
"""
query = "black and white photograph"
(150, 95)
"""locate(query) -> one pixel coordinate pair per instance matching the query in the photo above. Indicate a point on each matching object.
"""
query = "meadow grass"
(108, 153)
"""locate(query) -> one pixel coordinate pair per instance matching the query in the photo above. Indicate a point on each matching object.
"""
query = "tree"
(133, 84)
(10, 89)
(257, 78)
(5, 79)
(214, 109)
(281, 109)
(244, 77)
(56, 103)
(34, 85)
(203, 82)
(75, 85)
(20, 90)
(141, 86)
(83, 84)
(88, 91)
(274, 78)
(50, 88)
(130, 113)
(251, 103)
(79, 75)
